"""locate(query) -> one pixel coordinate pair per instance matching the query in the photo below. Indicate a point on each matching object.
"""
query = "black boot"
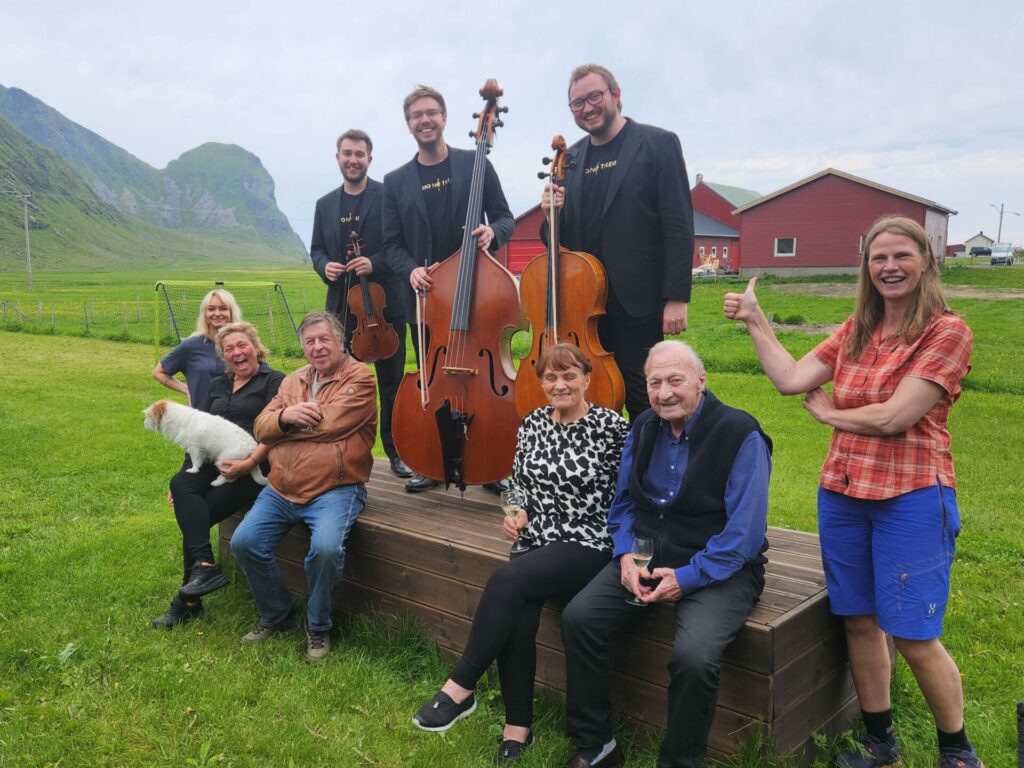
(178, 613)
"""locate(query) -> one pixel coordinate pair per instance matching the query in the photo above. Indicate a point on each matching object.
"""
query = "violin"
(563, 294)
(455, 419)
(374, 338)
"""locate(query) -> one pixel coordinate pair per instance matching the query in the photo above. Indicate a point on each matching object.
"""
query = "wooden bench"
(429, 555)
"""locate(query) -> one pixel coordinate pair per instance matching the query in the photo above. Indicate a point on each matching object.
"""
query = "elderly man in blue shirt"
(694, 478)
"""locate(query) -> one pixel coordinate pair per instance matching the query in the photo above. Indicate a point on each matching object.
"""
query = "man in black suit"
(628, 203)
(425, 206)
(356, 206)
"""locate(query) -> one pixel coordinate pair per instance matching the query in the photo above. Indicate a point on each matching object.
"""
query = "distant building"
(715, 228)
(818, 224)
(953, 251)
(980, 240)
(525, 243)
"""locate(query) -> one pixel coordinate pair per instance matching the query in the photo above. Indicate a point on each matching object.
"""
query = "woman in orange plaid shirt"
(887, 512)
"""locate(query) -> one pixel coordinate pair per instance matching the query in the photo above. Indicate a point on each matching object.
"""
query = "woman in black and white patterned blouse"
(566, 462)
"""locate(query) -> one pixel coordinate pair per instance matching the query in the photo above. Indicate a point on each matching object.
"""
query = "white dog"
(204, 436)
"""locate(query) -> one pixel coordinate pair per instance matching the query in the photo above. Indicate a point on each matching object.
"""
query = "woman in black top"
(238, 395)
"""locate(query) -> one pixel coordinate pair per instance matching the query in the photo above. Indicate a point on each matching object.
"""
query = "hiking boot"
(204, 579)
(178, 613)
(873, 753)
(959, 758)
(318, 644)
(263, 632)
(441, 713)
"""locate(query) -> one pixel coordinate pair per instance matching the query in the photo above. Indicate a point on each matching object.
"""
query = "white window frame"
(700, 251)
(784, 255)
(860, 244)
(714, 251)
(725, 251)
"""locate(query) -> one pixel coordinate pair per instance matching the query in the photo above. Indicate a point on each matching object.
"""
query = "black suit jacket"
(407, 238)
(647, 230)
(330, 242)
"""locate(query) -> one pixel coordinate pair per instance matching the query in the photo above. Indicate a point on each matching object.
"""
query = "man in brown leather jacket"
(321, 427)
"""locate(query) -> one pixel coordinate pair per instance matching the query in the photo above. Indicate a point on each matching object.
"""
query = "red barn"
(715, 228)
(525, 243)
(817, 225)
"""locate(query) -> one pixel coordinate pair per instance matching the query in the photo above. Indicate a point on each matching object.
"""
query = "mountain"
(219, 188)
(72, 228)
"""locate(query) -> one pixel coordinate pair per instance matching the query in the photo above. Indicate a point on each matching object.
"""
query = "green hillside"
(70, 228)
(214, 188)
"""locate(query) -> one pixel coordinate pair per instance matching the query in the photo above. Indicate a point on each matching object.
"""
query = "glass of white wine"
(642, 552)
(512, 501)
(310, 399)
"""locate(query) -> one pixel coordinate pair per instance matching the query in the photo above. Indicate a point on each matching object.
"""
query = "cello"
(455, 419)
(563, 294)
(374, 338)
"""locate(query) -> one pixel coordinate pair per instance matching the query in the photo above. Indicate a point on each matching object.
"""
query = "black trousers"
(629, 339)
(389, 377)
(198, 507)
(706, 622)
(506, 620)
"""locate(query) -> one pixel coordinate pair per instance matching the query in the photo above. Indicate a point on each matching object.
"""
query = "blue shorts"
(890, 558)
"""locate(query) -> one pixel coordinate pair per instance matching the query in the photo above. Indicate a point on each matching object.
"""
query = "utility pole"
(1002, 209)
(24, 197)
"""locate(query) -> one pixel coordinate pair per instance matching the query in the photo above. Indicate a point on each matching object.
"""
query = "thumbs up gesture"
(741, 306)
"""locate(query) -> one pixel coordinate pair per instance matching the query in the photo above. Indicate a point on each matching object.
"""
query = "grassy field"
(89, 552)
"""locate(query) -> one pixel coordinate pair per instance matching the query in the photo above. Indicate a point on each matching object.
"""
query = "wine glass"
(310, 399)
(512, 501)
(641, 552)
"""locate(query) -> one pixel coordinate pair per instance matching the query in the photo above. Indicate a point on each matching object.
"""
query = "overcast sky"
(925, 95)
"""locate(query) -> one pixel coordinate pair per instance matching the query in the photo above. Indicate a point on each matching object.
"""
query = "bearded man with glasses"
(628, 203)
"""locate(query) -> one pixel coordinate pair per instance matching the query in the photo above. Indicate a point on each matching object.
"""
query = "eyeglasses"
(431, 113)
(593, 99)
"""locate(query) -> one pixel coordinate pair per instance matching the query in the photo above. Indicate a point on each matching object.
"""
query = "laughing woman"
(196, 357)
(565, 466)
(237, 395)
(887, 512)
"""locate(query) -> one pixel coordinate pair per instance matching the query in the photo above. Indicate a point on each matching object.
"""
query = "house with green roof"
(716, 230)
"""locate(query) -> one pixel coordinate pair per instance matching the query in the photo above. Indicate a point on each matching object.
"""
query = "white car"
(1002, 253)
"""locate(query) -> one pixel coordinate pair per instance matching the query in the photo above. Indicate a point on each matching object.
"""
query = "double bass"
(455, 419)
(563, 294)
(374, 338)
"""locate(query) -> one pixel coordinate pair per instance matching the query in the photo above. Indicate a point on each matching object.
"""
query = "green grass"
(89, 552)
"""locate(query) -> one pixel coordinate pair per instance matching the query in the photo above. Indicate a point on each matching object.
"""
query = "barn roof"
(705, 226)
(849, 177)
(735, 195)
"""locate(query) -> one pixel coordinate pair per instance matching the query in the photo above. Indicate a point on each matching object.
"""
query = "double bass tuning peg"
(498, 124)
(546, 160)
(542, 174)
(503, 109)
(476, 115)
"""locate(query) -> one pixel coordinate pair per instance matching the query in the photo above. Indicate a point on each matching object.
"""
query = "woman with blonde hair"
(887, 511)
(196, 356)
(245, 387)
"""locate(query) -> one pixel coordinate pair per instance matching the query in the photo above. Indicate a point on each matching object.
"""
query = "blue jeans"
(329, 517)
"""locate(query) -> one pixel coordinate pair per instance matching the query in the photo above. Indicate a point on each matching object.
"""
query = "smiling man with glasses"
(628, 203)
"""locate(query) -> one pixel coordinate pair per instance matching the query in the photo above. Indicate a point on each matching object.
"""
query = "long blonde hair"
(927, 302)
(202, 329)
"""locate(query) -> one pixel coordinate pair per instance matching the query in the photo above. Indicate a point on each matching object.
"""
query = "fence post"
(53, 318)
(39, 312)
(138, 309)
(124, 316)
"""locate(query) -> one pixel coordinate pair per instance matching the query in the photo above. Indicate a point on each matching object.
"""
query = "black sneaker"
(441, 713)
(511, 751)
(203, 580)
(872, 753)
(178, 613)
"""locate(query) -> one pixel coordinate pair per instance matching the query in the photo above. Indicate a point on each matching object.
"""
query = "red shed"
(715, 228)
(525, 242)
(817, 225)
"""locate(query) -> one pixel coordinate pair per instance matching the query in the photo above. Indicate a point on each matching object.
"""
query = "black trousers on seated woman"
(506, 620)
(198, 507)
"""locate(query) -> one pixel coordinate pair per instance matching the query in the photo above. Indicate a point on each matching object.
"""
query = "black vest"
(697, 512)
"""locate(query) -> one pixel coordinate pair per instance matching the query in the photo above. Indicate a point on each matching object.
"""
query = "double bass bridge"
(458, 370)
